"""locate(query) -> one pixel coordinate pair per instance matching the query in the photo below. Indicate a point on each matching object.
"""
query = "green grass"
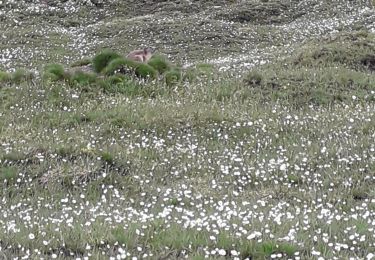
(172, 77)
(277, 163)
(54, 72)
(4, 76)
(121, 65)
(331, 72)
(160, 63)
(81, 78)
(21, 75)
(102, 59)
(145, 71)
(82, 62)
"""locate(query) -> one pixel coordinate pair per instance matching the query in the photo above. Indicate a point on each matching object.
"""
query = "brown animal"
(140, 55)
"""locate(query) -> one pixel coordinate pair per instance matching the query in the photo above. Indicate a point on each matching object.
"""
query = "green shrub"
(21, 75)
(101, 60)
(82, 78)
(54, 72)
(4, 76)
(145, 71)
(159, 63)
(172, 76)
(120, 65)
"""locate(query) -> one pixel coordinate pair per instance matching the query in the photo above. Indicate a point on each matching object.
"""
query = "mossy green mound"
(159, 63)
(146, 71)
(173, 76)
(121, 65)
(101, 60)
(54, 72)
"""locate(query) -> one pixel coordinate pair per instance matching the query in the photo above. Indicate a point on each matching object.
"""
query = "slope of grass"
(145, 170)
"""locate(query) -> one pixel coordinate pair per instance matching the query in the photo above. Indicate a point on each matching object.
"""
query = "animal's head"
(147, 53)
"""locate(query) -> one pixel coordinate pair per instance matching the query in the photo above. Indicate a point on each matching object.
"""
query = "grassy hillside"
(236, 153)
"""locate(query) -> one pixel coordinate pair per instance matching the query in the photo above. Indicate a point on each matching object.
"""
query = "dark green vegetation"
(160, 63)
(101, 60)
(258, 145)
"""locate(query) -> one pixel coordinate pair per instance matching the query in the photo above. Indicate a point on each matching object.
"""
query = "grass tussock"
(4, 76)
(54, 72)
(160, 63)
(82, 78)
(21, 75)
(101, 60)
(121, 66)
(173, 76)
(145, 71)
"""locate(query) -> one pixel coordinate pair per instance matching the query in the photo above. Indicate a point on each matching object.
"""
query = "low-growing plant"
(190, 75)
(119, 84)
(4, 76)
(145, 71)
(21, 75)
(172, 77)
(101, 60)
(8, 173)
(160, 63)
(82, 62)
(205, 68)
(253, 78)
(54, 72)
(121, 65)
(82, 78)
(117, 79)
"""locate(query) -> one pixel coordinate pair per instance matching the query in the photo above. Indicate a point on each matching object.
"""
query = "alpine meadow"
(187, 129)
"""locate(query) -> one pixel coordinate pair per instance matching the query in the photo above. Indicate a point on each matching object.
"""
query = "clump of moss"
(21, 75)
(82, 78)
(54, 72)
(4, 76)
(173, 76)
(159, 63)
(101, 60)
(145, 71)
(121, 65)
